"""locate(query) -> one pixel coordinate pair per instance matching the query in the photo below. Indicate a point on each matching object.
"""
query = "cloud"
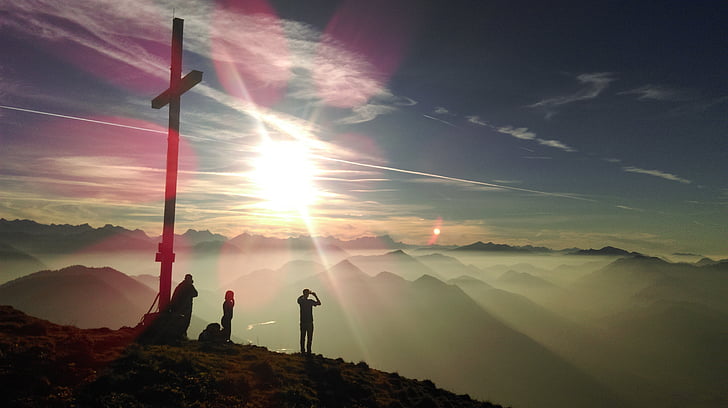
(521, 133)
(659, 93)
(555, 144)
(365, 113)
(518, 133)
(624, 207)
(439, 110)
(656, 173)
(699, 106)
(525, 134)
(405, 101)
(476, 120)
(592, 85)
(277, 55)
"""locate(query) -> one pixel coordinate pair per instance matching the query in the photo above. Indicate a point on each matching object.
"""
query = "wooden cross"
(171, 96)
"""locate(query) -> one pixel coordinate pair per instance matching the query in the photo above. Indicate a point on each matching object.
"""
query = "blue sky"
(562, 124)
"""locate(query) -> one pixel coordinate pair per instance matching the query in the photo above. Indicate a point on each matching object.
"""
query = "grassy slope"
(46, 365)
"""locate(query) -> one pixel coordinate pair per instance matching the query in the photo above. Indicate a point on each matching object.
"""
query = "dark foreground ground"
(47, 365)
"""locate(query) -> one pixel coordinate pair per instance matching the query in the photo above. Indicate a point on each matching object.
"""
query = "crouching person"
(212, 334)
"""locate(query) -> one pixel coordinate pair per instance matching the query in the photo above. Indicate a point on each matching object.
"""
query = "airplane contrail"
(456, 179)
(441, 121)
(101, 122)
(373, 166)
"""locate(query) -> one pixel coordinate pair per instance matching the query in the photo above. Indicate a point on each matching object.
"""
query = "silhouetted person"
(227, 314)
(181, 303)
(306, 305)
(212, 334)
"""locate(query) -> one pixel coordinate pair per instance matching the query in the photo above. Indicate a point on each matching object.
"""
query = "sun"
(284, 175)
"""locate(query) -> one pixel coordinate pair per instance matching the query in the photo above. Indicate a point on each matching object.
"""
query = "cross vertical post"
(171, 96)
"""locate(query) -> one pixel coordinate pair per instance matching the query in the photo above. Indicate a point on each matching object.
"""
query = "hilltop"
(43, 364)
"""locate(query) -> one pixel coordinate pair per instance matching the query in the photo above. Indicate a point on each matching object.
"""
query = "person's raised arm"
(318, 302)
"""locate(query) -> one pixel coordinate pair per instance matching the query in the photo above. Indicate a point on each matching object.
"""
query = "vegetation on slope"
(46, 365)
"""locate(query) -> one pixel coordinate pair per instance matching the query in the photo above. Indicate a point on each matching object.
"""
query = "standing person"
(306, 306)
(181, 303)
(227, 315)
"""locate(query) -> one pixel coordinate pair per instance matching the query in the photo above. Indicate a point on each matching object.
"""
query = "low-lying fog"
(521, 330)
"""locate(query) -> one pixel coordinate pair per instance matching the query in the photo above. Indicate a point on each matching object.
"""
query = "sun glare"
(284, 176)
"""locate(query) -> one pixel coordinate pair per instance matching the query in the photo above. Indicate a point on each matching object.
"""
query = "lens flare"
(436, 231)
(371, 37)
(250, 51)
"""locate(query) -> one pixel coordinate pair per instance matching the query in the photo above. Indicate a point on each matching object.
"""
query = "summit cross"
(177, 86)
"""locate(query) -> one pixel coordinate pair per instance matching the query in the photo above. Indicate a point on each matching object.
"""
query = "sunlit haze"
(521, 201)
(441, 122)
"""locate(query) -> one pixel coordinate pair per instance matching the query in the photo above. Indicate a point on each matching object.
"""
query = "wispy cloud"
(366, 113)
(656, 173)
(271, 52)
(518, 133)
(476, 120)
(624, 207)
(659, 93)
(556, 144)
(525, 134)
(592, 85)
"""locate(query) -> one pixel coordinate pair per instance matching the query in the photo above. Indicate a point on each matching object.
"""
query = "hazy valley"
(520, 326)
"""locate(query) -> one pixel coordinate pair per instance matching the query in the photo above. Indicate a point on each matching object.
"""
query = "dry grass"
(45, 365)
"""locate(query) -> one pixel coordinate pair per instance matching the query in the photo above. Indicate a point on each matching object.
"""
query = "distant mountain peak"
(523, 278)
(605, 251)
(347, 269)
(197, 237)
(491, 247)
(706, 261)
(429, 281)
(468, 280)
(398, 253)
(389, 277)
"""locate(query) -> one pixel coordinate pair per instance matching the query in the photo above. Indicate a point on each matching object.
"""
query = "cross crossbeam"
(185, 84)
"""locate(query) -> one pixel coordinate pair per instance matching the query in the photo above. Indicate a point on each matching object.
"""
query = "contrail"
(459, 180)
(101, 122)
(441, 121)
(373, 166)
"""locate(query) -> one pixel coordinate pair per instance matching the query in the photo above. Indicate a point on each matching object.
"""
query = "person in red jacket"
(227, 315)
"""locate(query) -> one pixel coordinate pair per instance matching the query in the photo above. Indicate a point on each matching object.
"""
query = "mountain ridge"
(63, 366)
(33, 237)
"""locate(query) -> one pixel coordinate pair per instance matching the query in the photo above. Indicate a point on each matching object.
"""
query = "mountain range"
(34, 238)
(618, 330)
(385, 320)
